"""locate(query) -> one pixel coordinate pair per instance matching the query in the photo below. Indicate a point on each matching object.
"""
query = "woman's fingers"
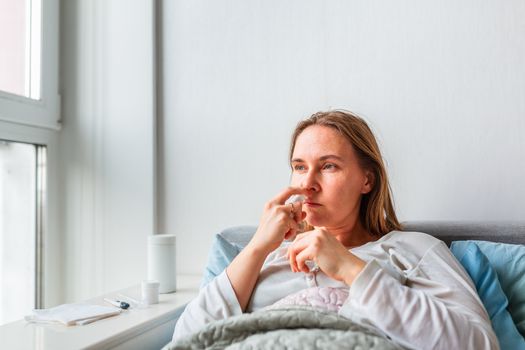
(300, 260)
(293, 223)
(294, 216)
(279, 221)
(298, 246)
(291, 232)
(286, 193)
(291, 259)
(297, 211)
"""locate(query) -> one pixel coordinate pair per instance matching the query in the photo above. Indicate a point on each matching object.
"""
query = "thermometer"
(121, 304)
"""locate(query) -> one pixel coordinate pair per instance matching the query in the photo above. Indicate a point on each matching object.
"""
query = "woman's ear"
(368, 185)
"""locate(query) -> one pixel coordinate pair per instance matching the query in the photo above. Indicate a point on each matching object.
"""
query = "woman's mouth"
(311, 204)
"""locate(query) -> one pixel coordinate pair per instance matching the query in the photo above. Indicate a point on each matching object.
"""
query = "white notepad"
(72, 314)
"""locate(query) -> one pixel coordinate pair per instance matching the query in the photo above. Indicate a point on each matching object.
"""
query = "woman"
(405, 284)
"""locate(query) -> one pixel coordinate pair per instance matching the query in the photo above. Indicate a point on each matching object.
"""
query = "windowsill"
(111, 332)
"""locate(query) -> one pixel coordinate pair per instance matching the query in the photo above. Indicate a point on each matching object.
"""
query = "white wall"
(442, 83)
(107, 143)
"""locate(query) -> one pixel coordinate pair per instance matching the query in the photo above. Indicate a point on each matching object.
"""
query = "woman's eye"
(298, 167)
(329, 166)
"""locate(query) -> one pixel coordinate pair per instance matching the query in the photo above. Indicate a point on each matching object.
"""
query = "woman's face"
(325, 163)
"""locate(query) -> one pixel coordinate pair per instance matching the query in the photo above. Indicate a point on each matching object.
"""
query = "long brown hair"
(377, 212)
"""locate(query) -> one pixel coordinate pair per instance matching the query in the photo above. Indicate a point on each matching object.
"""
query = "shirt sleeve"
(216, 301)
(437, 306)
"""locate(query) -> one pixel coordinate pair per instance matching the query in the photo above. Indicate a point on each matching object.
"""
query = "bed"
(493, 253)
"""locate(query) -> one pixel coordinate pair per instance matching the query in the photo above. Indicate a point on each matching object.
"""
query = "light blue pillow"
(221, 254)
(490, 292)
(508, 260)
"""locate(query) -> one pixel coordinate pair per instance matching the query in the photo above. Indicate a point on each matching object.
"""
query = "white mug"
(150, 292)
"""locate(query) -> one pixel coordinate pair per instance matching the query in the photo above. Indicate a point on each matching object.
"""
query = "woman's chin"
(317, 218)
(315, 221)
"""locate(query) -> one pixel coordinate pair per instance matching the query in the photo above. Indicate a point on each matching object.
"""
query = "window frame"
(45, 112)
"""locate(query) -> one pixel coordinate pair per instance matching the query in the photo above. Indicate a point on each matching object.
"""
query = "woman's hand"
(328, 253)
(278, 221)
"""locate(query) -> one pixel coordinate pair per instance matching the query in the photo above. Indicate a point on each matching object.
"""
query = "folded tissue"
(72, 314)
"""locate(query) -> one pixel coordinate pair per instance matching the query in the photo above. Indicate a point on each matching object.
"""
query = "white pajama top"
(412, 290)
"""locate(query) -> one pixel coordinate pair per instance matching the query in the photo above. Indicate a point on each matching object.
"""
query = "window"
(20, 34)
(22, 194)
(29, 62)
(29, 121)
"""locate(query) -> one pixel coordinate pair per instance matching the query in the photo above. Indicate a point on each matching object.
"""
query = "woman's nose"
(310, 182)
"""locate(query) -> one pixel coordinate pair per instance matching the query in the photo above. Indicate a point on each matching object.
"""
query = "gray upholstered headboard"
(448, 231)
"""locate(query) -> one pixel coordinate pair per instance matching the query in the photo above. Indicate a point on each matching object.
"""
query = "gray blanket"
(291, 327)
